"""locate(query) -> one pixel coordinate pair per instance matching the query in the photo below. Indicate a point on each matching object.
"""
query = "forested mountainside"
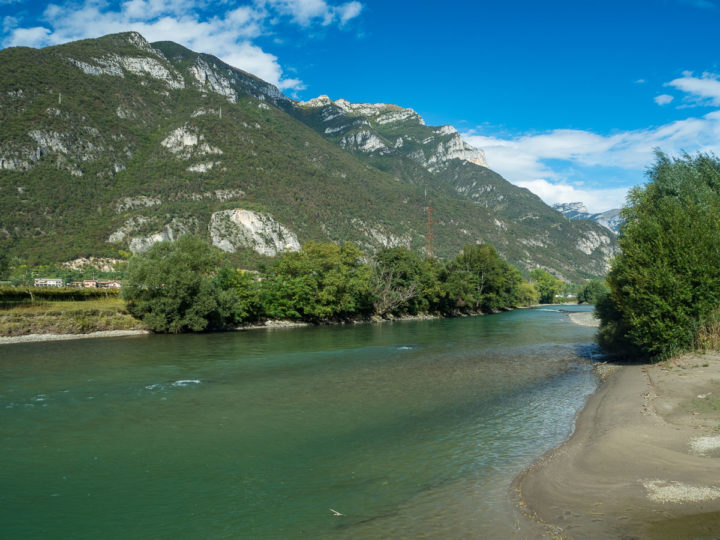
(111, 144)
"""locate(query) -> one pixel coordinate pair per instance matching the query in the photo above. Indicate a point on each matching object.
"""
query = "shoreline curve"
(641, 462)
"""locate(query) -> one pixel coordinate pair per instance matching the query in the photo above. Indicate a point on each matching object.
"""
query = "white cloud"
(305, 12)
(548, 163)
(663, 99)
(596, 200)
(228, 34)
(349, 11)
(703, 90)
(29, 37)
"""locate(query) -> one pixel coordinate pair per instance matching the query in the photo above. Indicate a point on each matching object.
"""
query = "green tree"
(527, 295)
(592, 291)
(238, 299)
(479, 279)
(171, 287)
(319, 282)
(546, 284)
(665, 284)
(402, 282)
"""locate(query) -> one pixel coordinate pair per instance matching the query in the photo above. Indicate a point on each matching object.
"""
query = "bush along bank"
(188, 286)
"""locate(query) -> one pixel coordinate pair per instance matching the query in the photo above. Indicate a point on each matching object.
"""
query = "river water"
(409, 429)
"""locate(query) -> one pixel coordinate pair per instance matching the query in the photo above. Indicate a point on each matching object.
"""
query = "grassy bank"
(66, 317)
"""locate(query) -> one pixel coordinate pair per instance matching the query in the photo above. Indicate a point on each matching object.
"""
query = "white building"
(48, 282)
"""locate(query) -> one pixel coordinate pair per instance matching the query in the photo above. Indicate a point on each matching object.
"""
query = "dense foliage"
(593, 291)
(665, 285)
(189, 285)
(172, 287)
(547, 285)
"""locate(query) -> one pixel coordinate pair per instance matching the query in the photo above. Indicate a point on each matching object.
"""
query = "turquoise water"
(409, 429)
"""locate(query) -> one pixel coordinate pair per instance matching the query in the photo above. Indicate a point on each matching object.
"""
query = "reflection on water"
(407, 429)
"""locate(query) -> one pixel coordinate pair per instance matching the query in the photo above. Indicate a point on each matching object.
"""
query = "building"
(48, 282)
(109, 284)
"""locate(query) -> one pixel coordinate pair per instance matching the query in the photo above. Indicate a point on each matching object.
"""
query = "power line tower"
(430, 236)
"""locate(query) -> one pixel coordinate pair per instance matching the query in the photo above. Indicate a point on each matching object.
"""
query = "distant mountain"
(108, 145)
(610, 219)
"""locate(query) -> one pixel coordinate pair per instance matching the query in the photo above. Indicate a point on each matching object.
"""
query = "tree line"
(189, 286)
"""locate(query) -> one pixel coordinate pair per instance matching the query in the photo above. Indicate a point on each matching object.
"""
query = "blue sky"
(566, 98)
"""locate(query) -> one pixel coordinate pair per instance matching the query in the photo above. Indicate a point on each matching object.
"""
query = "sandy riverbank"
(643, 462)
(31, 338)
(584, 318)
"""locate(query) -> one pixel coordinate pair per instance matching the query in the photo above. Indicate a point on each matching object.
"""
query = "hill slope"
(111, 144)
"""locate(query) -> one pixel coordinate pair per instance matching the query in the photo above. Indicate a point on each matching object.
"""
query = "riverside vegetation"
(28, 310)
(664, 294)
(188, 286)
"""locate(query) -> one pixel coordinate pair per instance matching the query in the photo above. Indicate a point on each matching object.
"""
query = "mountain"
(609, 219)
(111, 144)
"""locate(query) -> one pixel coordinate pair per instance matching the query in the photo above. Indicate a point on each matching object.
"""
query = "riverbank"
(33, 338)
(584, 318)
(642, 461)
(43, 319)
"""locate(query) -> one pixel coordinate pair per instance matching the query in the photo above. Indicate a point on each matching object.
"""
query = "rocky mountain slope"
(609, 219)
(111, 144)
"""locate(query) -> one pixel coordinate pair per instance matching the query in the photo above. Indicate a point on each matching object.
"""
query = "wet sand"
(643, 462)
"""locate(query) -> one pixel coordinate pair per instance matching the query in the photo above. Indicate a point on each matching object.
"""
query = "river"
(408, 429)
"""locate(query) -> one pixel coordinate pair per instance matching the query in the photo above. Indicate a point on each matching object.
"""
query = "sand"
(32, 338)
(584, 318)
(643, 462)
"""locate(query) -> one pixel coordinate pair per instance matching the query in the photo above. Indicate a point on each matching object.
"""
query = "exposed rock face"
(365, 141)
(592, 241)
(369, 127)
(84, 145)
(101, 263)
(610, 219)
(202, 167)
(215, 76)
(117, 66)
(141, 201)
(211, 79)
(233, 229)
(186, 142)
(140, 243)
(377, 235)
(453, 148)
(382, 113)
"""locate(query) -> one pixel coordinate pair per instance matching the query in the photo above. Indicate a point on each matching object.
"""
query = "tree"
(171, 287)
(321, 281)
(665, 284)
(397, 282)
(546, 284)
(526, 294)
(479, 279)
(592, 291)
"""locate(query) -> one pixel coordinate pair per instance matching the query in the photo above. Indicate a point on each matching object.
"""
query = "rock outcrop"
(238, 228)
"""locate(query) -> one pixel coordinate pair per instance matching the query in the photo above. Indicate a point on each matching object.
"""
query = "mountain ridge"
(114, 143)
(610, 219)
